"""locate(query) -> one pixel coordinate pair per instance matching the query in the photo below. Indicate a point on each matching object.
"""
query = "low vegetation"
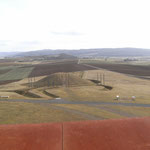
(22, 113)
(16, 74)
(27, 93)
(73, 82)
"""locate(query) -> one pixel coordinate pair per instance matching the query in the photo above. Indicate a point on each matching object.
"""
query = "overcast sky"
(73, 24)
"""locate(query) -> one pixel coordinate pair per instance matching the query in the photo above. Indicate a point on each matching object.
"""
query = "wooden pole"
(68, 79)
(104, 79)
(101, 78)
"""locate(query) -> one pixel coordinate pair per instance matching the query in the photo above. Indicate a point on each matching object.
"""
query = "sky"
(73, 24)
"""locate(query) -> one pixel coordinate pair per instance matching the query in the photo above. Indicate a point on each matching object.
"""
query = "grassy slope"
(137, 111)
(91, 110)
(19, 113)
(16, 113)
(62, 79)
(124, 85)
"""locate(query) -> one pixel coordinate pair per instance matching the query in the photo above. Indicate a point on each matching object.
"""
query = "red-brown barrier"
(31, 137)
(123, 134)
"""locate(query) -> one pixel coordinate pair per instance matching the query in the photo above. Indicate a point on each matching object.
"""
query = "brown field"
(126, 69)
(7, 82)
(50, 68)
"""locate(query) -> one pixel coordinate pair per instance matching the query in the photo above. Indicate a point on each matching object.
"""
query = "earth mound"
(63, 79)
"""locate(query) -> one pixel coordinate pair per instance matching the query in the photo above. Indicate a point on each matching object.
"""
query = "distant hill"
(46, 57)
(97, 52)
(7, 54)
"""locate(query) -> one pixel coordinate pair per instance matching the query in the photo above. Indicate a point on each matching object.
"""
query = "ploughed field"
(126, 69)
(51, 68)
(14, 72)
(11, 73)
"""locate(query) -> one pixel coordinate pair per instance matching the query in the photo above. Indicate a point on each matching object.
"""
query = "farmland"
(73, 82)
(126, 69)
(118, 65)
(50, 68)
(16, 74)
(46, 75)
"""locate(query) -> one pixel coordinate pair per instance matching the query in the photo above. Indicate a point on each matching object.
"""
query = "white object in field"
(133, 97)
(58, 98)
(4, 96)
(117, 97)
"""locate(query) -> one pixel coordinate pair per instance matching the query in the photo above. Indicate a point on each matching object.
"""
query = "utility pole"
(66, 82)
(68, 79)
(30, 82)
(97, 76)
(103, 79)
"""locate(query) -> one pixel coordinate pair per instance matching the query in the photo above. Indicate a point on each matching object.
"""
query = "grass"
(137, 111)
(49, 94)
(16, 74)
(12, 95)
(84, 93)
(91, 110)
(99, 93)
(20, 113)
(123, 85)
(8, 67)
(63, 79)
(27, 93)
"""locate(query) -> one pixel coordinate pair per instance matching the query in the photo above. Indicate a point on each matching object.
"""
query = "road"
(62, 101)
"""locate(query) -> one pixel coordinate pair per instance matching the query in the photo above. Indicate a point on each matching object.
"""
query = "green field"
(16, 74)
(8, 67)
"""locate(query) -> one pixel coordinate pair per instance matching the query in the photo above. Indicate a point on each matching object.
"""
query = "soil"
(47, 69)
(126, 69)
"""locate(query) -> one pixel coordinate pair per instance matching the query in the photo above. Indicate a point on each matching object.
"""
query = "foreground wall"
(123, 134)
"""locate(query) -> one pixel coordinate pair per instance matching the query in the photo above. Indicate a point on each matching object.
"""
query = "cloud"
(4, 42)
(29, 43)
(6, 45)
(69, 33)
